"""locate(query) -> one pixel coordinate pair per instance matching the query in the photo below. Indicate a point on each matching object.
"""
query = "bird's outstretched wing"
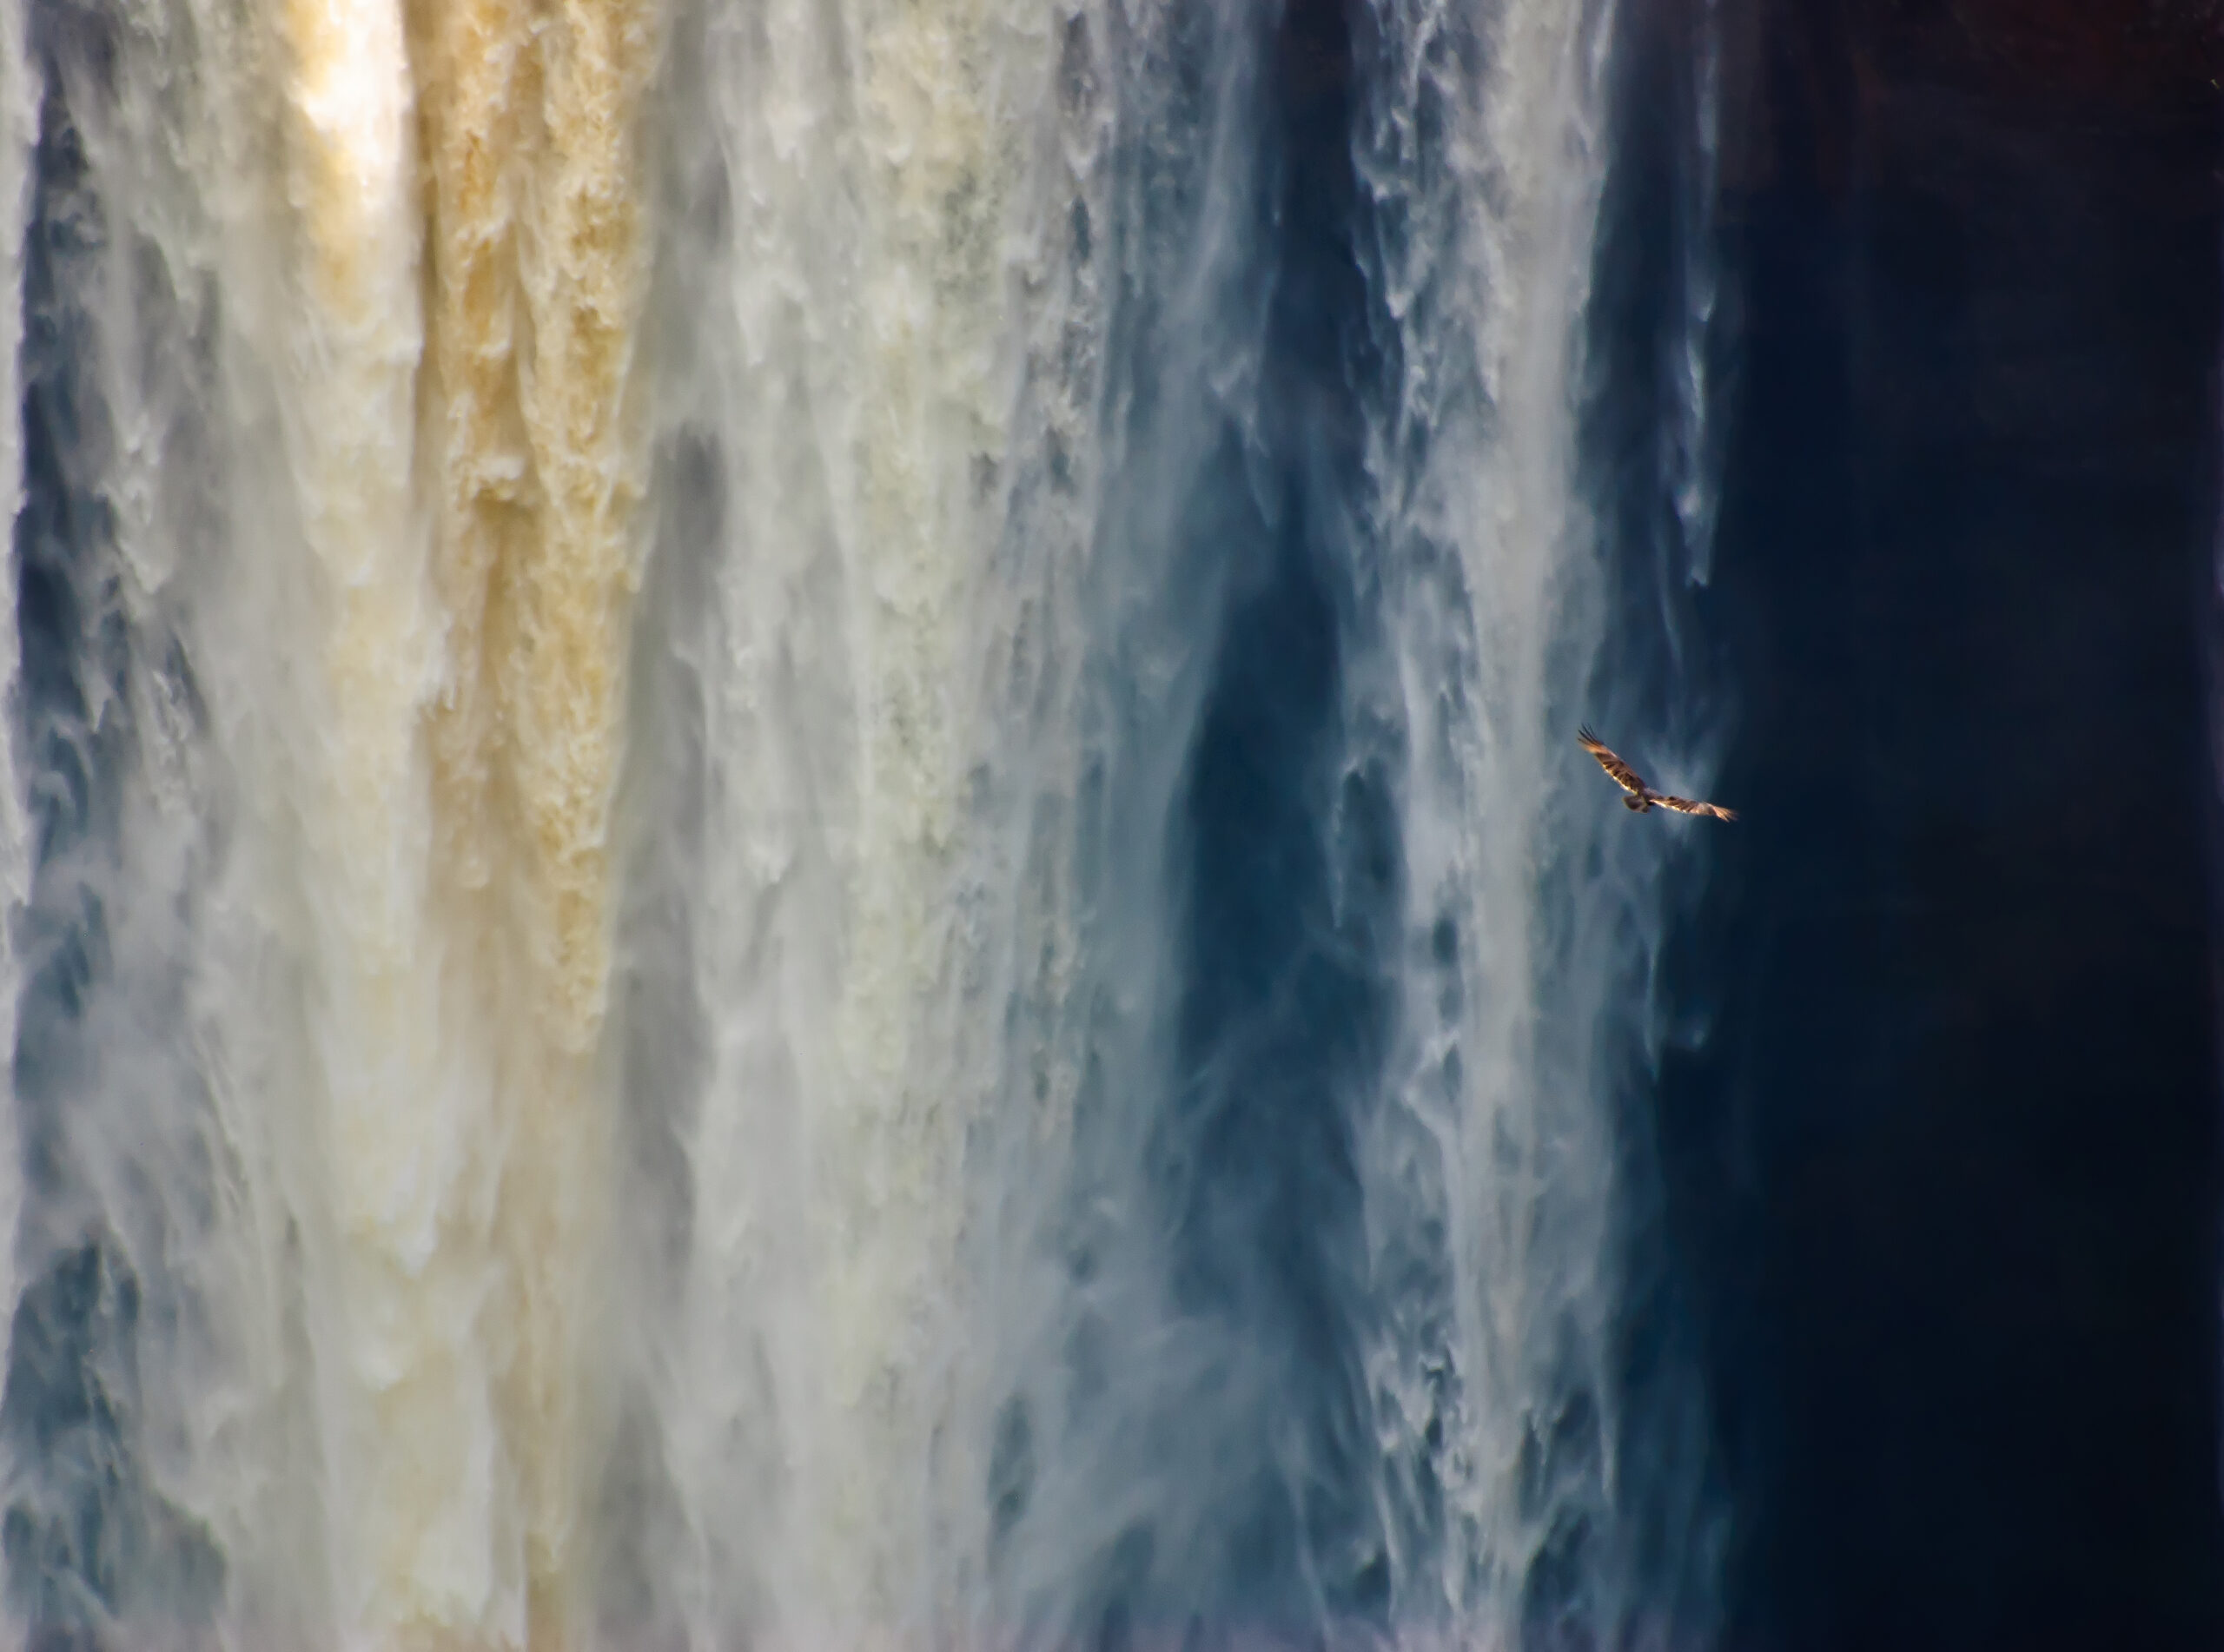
(1619, 772)
(1686, 806)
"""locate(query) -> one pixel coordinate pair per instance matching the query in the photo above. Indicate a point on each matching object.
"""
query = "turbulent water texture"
(795, 855)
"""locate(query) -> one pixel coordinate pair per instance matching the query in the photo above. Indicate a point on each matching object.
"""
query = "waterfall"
(331, 378)
(847, 231)
(1696, 446)
(1504, 1152)
(794, 851)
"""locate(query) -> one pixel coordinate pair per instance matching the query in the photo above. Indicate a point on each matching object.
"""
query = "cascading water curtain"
(1508, 1156)
(792, 854)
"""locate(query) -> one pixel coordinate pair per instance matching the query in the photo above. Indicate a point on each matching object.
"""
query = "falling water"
(344, 474)
(18, 133)
(1501, 1159)
(845, 201)
(802, 868)
(1696, 445)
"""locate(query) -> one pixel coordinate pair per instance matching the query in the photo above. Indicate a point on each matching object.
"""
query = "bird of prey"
(1642, 796)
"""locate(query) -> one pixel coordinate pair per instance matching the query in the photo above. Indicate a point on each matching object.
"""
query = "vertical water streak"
(832, 409)
(1696, 446)
(533, 427)
(1141, 1453)
(19, 101)
(310, 1045)
(404, 1138)
(147, 1416)
(1495, 1171)
(473, 66)
(1041, 936)
(583, 275)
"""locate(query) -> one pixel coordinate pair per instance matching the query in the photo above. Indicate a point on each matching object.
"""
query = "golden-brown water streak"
(535, 281)
(406, 1129)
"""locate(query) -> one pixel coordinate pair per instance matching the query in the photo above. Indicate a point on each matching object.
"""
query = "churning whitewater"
(791, 856)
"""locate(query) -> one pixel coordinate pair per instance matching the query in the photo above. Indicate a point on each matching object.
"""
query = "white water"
(836, 382)
(18, 132)
(638, 654)
(1697, 444)
(1494, 1173)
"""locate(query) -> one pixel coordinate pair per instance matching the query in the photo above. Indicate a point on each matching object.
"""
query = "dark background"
(1947, 1173)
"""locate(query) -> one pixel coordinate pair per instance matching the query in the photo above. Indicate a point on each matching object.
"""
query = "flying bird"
(1642, 796)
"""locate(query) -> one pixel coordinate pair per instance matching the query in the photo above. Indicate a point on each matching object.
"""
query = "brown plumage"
(1642, 796)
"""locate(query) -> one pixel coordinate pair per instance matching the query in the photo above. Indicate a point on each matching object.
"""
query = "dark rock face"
(1953, 1152)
